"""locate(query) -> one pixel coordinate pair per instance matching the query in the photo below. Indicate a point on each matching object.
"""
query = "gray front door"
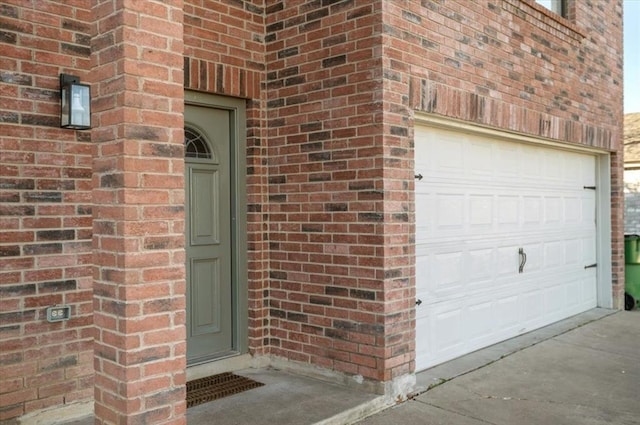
(210, 312)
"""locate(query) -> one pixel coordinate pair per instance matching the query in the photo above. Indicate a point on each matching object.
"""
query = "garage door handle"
(523, 260)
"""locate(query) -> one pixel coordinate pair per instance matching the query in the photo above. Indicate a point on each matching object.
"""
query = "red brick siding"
(224, 47)
(45, 193)
(138, 194)
(540, 79)
(341, 259)
(257, 242)
(512, 64)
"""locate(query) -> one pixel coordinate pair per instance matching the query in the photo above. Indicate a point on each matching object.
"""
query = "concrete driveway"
(584, 370)
(589, 375)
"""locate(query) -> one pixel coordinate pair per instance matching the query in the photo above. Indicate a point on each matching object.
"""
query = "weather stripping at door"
(523, 260)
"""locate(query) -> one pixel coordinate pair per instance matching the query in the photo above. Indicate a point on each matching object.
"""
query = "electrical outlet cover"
(58, 313)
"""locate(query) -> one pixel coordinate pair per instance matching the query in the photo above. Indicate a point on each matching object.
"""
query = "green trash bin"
(632, 249)
(631, 271)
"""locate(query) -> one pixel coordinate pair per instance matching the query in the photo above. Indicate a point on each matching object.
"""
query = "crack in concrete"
(459, 414)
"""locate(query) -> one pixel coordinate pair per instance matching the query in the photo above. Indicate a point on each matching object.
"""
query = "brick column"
(138, 195)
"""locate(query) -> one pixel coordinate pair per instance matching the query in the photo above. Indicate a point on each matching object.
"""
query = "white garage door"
(505, 235)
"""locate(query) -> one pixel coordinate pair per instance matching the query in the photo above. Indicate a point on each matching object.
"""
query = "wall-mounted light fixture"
(75, 110)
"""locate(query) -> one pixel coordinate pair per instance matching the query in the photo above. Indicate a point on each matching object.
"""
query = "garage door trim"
(502, 134)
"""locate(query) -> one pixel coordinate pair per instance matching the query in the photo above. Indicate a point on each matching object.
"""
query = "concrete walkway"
(587, 376)
(584, 370)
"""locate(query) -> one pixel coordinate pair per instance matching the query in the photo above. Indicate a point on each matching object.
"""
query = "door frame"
(604, 284)
(238, 176)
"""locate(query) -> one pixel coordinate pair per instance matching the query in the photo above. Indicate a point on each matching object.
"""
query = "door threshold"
(220, 365)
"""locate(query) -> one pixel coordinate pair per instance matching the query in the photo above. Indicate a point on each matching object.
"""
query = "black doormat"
(217, 386)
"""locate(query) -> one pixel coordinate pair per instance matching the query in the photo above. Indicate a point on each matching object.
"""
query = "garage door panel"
(473, 322)
(450, 211)
(448, 272)
(508, 260)
(481, 259)
(481, 211)
(479, 202)
(532, 168)
(572, 210)
(478, 160)
(447, 327)
(481, 323)
(450, 275)
(532, 302)
(574, 294)
(507, 161)
(460, 273)
(506, 221)
(480, 264)
(552, 210)
(553, 166)
(485, 213)
(573, 252)
(553, 254)
(554, 300)
(449, 159)
(575, 166)
(508, 212)
(466, 157)
(532, 210)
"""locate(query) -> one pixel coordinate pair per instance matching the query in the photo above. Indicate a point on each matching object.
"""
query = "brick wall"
(45, 210)
(514, 65)
(138, 195)
(341, 293)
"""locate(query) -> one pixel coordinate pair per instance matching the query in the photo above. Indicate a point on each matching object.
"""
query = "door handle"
(523, 260)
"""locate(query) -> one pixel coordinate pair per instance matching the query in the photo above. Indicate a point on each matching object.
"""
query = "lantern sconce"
(75, 107)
